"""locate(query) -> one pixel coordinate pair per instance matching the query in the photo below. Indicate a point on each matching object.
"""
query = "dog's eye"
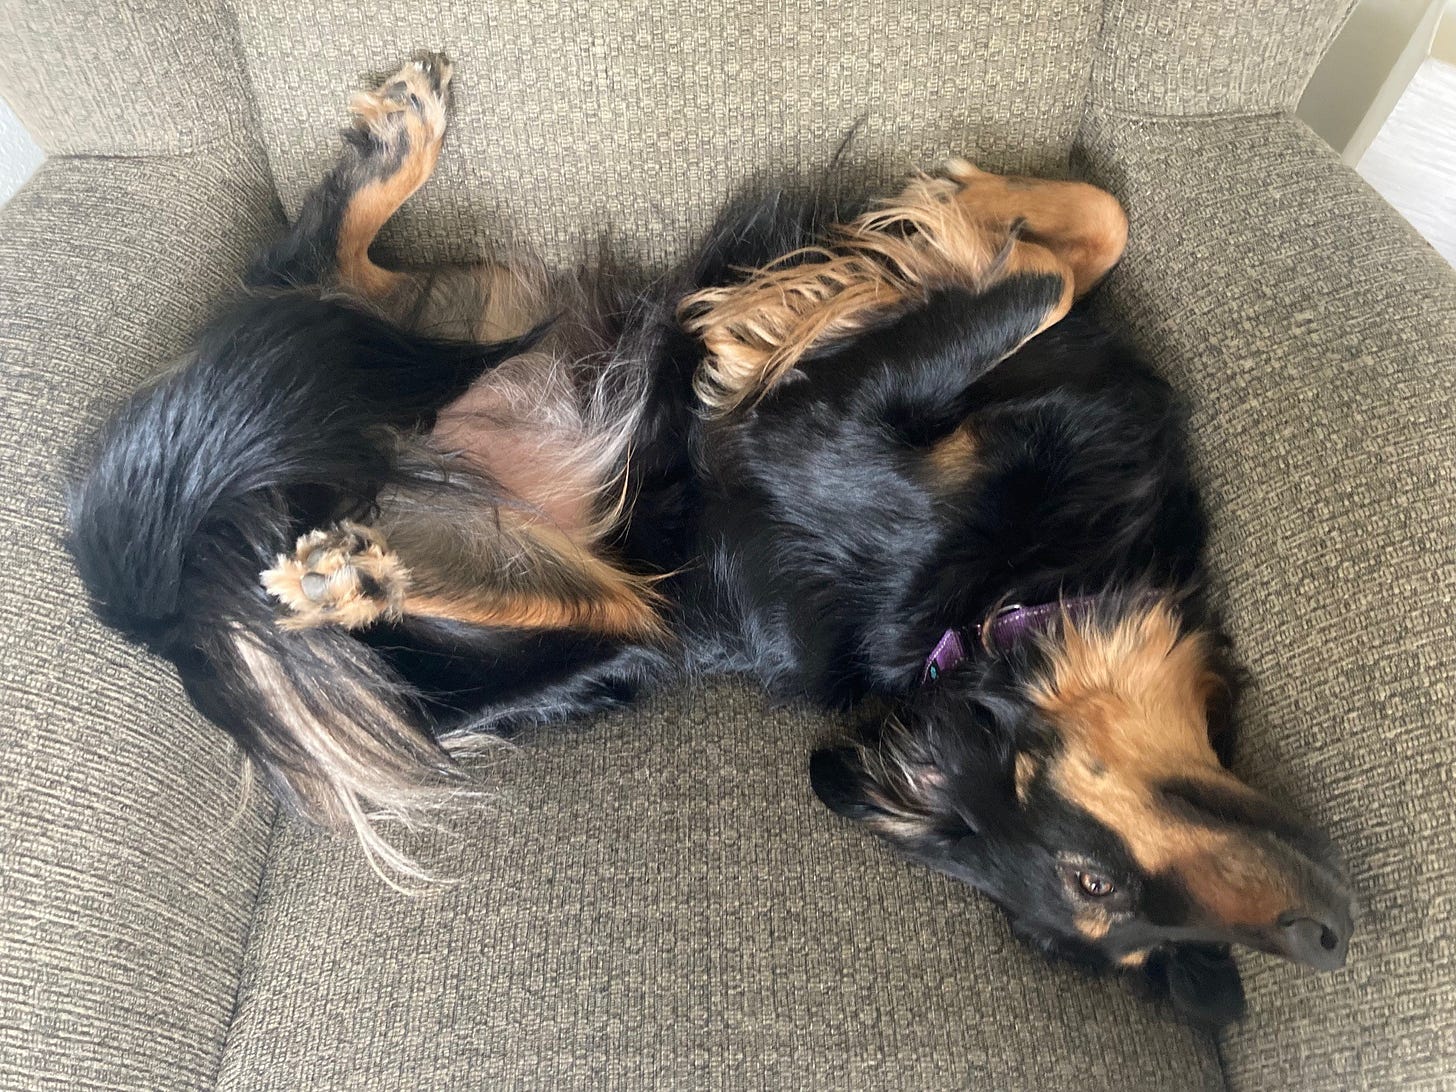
(1098, 887)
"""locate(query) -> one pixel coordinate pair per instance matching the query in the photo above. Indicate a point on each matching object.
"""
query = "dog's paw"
(344, 576)
(418, 94)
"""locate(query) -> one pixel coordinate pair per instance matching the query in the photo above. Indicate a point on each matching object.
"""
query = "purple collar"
(1006, 627)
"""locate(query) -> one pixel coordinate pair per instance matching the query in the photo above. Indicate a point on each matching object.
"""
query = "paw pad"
(417, 94)
(343, 576)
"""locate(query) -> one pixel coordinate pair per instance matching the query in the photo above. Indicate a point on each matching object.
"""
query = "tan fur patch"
(957, 229)
(1130, 708)
(952, 461)
(1092, 925)
(1084, 226)
(1026, 769)
(566, 587)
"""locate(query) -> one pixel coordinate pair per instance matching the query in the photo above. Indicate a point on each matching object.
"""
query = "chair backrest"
(578, 117)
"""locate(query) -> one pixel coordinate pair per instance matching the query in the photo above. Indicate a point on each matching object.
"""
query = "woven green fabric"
(1212, 57)
(1317, 336)
(124, 77)
(128, 861)
(657, 901)
(638, 118)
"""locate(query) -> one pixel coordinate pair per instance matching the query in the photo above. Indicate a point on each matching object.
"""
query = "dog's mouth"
(1313, 930)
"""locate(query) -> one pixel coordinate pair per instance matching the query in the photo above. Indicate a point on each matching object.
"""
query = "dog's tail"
(284, 417)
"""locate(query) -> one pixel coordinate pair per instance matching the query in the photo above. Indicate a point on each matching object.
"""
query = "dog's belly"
(523, 425)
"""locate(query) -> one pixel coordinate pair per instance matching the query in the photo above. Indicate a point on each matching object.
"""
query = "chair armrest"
(125, 77)
(1316, 336)
(129, 859)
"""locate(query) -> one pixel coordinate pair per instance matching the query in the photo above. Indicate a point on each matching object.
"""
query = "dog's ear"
(838, 778)
(1202, 981)
(891, 793)
(939, 769)
(1223, 700)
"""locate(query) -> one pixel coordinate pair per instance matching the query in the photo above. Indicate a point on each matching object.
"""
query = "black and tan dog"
(870, 453)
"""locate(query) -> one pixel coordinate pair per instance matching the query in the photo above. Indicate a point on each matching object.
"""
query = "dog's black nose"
(1318, 942)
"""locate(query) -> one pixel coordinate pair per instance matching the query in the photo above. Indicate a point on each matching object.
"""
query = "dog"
(875, 454)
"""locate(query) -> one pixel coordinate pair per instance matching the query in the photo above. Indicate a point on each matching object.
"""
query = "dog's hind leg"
(388, 154)
(390, 151)
(455, 559)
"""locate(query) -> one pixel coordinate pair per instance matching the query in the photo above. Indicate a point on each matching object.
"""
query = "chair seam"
(1103, 110)
(245, 71)
(1218, 1056)
(247, 944)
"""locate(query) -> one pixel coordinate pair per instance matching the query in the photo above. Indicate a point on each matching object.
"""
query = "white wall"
(19, 157)
(1412, 160)
(1360, 61)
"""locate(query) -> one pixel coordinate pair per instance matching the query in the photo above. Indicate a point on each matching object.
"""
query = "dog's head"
(1076, 784)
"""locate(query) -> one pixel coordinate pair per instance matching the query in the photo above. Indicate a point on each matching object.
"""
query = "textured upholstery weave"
(124, 77)
(1317, 336)
(128, 865)
(655, 901)
(639, 117)
(658, 902)
(1211, 56)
